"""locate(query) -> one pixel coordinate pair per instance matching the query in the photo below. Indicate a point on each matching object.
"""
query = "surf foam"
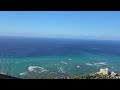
(24, 73)
(78, 66)
(70, 59)
(33, 68)
(63, 62)
(96, 64)
(61, 70)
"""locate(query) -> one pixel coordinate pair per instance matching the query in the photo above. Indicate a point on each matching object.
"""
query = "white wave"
(31, 68)
(101, 63)
(40, 69)
(52, 72)
(3, 73)
(63, 62)
(89, 64)
(24, 73)
(97, 64)
(78, 66)
(70, 59)
(61, 70)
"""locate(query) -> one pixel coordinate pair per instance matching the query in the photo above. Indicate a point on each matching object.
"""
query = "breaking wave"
(61, 70)
(96, 64)
(78, 66)
(70, 59)
(24, 73)
(36, 68)
(63, 62)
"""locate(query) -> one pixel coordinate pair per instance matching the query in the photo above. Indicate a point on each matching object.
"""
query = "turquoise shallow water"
(60, 65)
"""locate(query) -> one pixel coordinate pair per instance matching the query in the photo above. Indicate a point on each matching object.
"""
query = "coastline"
(102, 74)
(7, 77)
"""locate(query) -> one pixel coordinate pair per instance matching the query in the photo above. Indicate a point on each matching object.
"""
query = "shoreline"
(2, 76)
(102, 74)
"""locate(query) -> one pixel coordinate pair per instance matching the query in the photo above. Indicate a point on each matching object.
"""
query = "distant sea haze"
(44, 57)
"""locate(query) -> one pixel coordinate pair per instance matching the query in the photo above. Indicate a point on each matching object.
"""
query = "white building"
(104, 71)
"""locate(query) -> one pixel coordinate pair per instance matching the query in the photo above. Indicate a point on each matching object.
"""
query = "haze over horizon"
(61, 24)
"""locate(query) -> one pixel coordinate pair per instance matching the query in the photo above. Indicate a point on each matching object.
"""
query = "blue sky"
(61, 24)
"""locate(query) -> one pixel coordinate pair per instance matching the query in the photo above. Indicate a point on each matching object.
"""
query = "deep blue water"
(28, 47)
(58, 56)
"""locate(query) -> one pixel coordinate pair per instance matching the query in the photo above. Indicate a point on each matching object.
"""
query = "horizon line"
(59, 38)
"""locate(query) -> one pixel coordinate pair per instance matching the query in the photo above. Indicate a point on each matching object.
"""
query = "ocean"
(51, 57)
